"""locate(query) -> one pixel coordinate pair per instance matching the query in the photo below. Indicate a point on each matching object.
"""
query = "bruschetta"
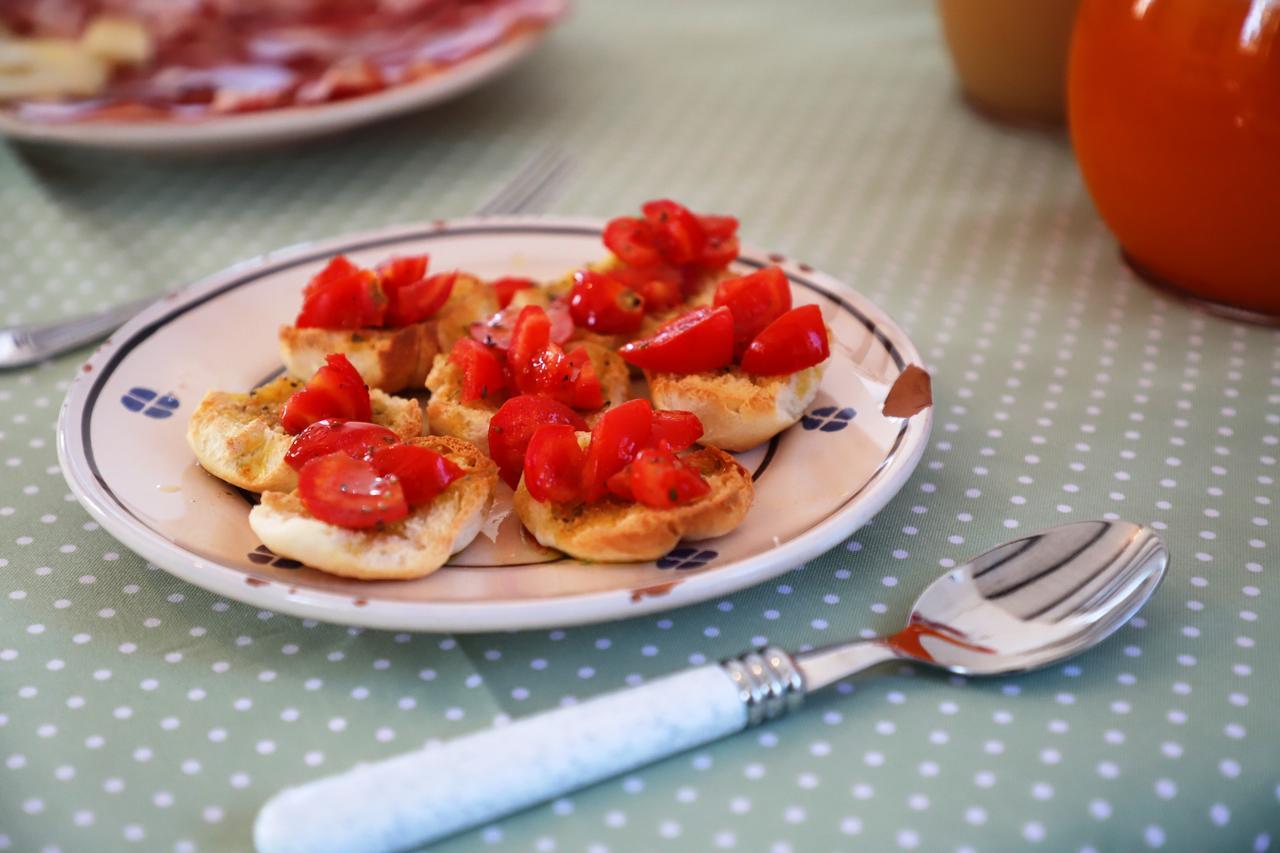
(411, 546)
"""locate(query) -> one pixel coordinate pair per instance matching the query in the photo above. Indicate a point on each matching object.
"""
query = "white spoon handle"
(425, 795)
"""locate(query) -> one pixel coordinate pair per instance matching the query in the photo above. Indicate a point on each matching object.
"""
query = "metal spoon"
(1025, 604)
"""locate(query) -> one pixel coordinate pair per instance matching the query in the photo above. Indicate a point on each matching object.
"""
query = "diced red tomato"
(631, 240)
(421, 472)
(615, 440)
(620, 485)
(660, 480)
(419, 300)
(756, 300)
(676, 231)
(718, 226)
(794, 341)
(514, 423)
(495, 330)
(484, 376)
(586, 392)
(333, 435)
(675, 430)
(721, 248)
(342, 296)
(348, 492)
(537, 365)
(719, 252)
(400, 271)
(662, 286)
(530, 338)
(506, 289)
(335, 391)
(698, 341)
(553, 465)
(601, 303)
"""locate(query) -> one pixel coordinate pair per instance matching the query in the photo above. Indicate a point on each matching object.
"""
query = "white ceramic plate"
(275, 126)
(121, 441)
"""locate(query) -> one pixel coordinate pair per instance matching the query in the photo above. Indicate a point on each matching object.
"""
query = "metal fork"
(21, 346)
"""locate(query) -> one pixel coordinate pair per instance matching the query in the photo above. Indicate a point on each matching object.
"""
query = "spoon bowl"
(1022, 605)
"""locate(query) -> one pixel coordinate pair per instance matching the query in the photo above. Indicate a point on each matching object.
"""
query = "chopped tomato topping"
(514, 423)
(675, 430)
(631, 240)
(421, 472)
(603, 304)
(660, 480)
(348, 492)
(507, 288)
(400, 271)
(794, 341)
(718, 226)
(335, 391)
(530, 336)
(721, 248)
(662, 286)
(698, 341)
(676, 231)
(756, 300)
(495, 330)
(553, 464)
(620, 485)
(419, 300)
(332, 435)
(615, 440)
(585, 392)
(484, 376)
(342, 296)
(537, 365)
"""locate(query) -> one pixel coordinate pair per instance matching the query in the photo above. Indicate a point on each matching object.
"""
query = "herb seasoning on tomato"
(752, 323)
(335, 391)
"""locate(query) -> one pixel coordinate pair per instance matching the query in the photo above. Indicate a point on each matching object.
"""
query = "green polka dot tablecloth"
(138, 712)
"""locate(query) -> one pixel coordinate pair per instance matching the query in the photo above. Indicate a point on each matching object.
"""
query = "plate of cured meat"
(208, 75)
(498, 423)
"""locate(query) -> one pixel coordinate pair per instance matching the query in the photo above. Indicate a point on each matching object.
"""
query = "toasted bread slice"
(447, 414)
(411, 548)
(617, 531)
(387, 359)
(737, 410)
(470, 300)
(238, 437)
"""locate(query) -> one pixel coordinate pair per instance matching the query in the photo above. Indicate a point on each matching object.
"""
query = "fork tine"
(531, 182)
(545, 189)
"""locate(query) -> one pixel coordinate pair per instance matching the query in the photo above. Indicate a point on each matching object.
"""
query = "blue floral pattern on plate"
(686, 558)
(828, 418)
(149, 402)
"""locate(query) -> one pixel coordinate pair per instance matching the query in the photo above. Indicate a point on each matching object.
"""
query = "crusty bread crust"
(738, 410)
(616, 531)
(470, 300)
(237, 437)
(411, 548)
(387, 359)
(447, 414)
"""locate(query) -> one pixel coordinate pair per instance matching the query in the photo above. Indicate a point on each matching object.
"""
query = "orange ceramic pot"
(1011, 55)
(1174, 111)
